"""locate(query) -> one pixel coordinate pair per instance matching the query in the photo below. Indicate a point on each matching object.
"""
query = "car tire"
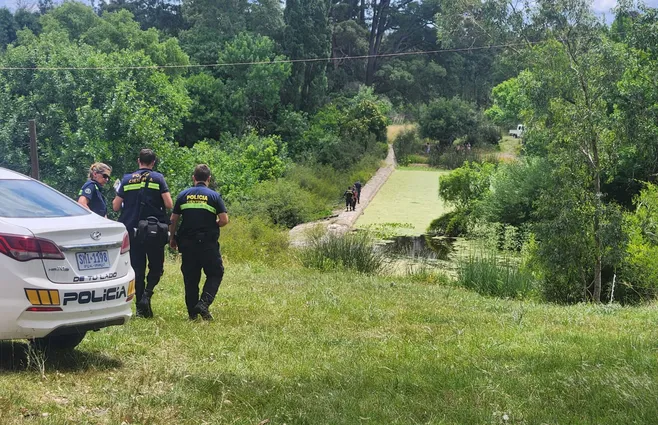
(64, 342)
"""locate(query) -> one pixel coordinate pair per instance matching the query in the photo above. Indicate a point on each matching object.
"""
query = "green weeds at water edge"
(488, 275)
(354, 251)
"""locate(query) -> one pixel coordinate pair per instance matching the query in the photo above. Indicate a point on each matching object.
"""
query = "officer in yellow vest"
(203, 213)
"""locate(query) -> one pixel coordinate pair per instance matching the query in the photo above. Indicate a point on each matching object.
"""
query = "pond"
(425, 246)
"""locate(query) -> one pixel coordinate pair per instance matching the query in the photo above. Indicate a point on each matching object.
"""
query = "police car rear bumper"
(60, 309)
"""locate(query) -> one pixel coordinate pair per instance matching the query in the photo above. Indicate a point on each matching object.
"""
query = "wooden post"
(34, 154)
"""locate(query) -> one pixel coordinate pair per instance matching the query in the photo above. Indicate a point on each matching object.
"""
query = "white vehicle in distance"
(65, 270)
(518, 133)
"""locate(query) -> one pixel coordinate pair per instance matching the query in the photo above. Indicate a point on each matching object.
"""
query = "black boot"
(143, 308)
(202, 309)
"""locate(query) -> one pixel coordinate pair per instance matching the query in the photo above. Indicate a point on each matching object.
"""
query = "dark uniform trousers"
(139, 252)
(197, 256)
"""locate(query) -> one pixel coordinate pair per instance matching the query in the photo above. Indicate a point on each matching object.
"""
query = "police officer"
(144, 194)
(203, 214)
(90, 196)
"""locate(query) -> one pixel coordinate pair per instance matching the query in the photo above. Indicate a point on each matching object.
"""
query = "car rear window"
(31, 199)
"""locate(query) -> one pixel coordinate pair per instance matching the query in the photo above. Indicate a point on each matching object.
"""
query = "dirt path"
(342, 221)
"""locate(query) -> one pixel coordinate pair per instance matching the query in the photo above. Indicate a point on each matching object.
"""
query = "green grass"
(297, 346)
(329, 251)
(408, 196)
(495, 274)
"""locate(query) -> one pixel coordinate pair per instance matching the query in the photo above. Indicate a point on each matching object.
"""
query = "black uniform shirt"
(153, 185)
(95, 199)
(199, 207)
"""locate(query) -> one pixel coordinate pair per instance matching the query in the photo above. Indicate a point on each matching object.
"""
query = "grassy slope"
(408, 196)
(303, 347)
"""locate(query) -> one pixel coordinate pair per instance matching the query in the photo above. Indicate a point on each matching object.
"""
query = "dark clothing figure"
(141, 192)
(95, 199)
(197, 240)
(348, 195)
(357, 186)
(142, 195)
(354, 198)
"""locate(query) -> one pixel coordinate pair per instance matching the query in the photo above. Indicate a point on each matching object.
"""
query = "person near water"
(348, 195)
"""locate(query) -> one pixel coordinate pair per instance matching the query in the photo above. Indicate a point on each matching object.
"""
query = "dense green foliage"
(589, 146)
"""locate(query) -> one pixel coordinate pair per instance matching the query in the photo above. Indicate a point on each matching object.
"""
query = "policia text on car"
(203, 213)
(142, 198)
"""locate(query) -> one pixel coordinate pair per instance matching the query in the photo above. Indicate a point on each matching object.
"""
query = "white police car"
(63, 269)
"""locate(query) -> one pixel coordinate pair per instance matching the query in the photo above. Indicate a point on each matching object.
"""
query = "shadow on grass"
(18, 356)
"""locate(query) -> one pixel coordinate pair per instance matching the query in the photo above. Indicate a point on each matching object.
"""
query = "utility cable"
(265, 62)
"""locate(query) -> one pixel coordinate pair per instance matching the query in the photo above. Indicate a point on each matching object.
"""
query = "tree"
(164, 15)
(7, 27)
(445, 120)
(571, 93)
(307, 35)
(83, 115)
(212, 23)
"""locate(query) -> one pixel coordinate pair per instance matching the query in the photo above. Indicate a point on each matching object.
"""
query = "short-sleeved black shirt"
(95, 198)
(153, 185)
(199, 207)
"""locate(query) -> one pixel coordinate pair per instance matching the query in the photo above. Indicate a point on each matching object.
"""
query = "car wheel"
(59, 342)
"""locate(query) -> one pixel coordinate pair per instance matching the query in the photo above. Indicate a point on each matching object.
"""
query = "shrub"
(447, 119)
(452, 224)
(639, 271)
(254, 239)
(486, 275)
(405, 144)
(417, 159)
(283, 203)
(466, 185)
(487, 134)
(354, 251)
(515, 188)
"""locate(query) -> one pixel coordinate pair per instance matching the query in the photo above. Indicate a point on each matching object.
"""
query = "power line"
(217, 65)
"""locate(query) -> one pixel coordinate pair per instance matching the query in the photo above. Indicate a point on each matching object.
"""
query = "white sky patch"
(604, 6)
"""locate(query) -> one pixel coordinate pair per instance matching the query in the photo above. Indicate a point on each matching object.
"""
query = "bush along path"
(342, 221)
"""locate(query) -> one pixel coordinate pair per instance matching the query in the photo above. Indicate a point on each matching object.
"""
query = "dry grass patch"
(393, 130)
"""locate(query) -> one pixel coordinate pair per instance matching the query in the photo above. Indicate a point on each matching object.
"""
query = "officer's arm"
(116, 203)
(222, 219)
(172, 230)
(166, 198)
(82, 200)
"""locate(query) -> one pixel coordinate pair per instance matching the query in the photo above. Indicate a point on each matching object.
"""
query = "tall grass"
(253, 239)
(490, 275)
(354, 251)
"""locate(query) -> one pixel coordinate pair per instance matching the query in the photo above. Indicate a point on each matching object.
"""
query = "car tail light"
(125, 245)
(25, 248)
(44, 309)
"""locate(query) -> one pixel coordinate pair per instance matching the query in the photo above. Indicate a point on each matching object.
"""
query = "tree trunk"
(596, 296)
(380, 14)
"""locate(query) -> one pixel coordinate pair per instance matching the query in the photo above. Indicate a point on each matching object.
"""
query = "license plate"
(92, 260)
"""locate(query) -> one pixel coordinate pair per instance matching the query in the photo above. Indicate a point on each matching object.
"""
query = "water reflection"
(423, 246)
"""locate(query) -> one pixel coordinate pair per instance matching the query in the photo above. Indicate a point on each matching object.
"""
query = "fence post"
(34, 154)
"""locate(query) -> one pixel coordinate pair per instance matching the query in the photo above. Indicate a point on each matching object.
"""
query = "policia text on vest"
(144, 195)
(203, 212)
